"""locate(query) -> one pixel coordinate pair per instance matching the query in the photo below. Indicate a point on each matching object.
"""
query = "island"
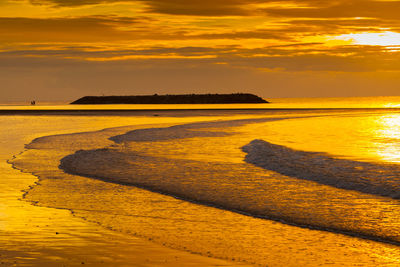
(173, 99)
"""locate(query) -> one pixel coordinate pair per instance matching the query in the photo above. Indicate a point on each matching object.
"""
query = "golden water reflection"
(39, 236)
(345, 134)
(362, 136)
(387, 137)
(218, 233)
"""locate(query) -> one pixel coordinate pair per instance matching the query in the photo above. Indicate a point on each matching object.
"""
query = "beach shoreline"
(34, 235)
(114, 223)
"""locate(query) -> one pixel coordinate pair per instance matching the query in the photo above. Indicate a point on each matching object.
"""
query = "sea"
(296, 182)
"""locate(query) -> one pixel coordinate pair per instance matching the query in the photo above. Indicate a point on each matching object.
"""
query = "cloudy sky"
(64, 49)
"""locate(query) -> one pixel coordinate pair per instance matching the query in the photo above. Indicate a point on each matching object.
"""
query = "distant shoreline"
(166, 112)
(239, 98)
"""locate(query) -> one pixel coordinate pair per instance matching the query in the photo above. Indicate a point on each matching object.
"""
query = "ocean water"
(36, 235)
(312, 185)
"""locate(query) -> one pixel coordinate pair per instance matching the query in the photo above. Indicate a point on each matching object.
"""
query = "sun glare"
(387, 136)
(372, 38)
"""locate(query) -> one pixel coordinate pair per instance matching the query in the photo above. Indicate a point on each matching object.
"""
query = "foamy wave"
(185, 131)
(298, 187)
(378, 179)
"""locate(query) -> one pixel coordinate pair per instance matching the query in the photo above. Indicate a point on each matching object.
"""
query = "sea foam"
(304, 188)
(379, 179)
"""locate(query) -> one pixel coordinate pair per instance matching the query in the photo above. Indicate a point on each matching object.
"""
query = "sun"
(386, 38)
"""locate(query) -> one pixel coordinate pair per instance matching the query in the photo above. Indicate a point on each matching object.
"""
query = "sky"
(60, 50)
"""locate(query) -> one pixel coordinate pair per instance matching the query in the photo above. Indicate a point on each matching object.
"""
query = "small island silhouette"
(173, 99)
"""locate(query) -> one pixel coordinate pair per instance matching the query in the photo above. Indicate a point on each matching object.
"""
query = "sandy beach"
(38, 236)
(50, 216)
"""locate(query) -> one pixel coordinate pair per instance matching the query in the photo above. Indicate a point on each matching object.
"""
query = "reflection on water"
(387, 137)
(209, 168)
(353, 135)
(40, 236)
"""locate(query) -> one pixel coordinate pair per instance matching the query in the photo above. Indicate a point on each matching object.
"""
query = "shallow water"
(41, 236)
(218, 164)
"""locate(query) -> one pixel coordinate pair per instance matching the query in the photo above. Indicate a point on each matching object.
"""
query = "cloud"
(112, 29)
(293, 9)
(104, 29)
(60, 29)
(289, 58)
(172, 7)
(202, 8)
(72, 3)
(306, 16)
(342, 9)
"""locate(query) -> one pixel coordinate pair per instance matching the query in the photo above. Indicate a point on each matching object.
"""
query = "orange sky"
(64, 49)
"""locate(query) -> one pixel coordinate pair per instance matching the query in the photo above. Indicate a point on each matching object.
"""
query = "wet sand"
(41, 236)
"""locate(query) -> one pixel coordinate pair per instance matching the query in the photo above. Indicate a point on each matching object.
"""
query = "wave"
(377, 179)
(295, 187)
(189, 130)
(160, 160)
(176, 223)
